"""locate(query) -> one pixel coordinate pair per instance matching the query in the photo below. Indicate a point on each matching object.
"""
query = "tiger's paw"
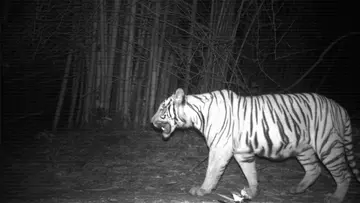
(330, 198)
(296, 190)
(251, 192)
(198, 191)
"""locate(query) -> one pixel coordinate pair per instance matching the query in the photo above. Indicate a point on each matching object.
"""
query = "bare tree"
(62, 92)
(153, 57)
(129, 63)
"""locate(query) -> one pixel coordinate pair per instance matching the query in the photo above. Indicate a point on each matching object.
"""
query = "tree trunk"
(153, 57)
(112, 44)
(75, 89)
(189, 52)
(90, 82)
(62, 92)
(146, 101)
(164, 77)
(81, 98)
(129, 64)
(102, 59)
(122, 66)
(140, 65)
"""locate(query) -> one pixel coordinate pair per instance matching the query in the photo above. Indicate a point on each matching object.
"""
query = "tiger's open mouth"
(164, 126)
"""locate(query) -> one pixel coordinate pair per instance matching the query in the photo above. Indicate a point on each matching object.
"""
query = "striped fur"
(275, 126)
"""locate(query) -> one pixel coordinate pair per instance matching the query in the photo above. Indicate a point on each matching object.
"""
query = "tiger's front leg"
(218, 158)
(248, 166)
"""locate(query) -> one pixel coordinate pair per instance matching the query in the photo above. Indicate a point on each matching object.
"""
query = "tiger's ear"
(179, 96)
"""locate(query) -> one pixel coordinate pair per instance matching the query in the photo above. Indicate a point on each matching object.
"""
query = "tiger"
(307, 126)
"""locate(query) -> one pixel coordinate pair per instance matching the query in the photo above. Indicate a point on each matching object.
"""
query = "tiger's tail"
(349, 149)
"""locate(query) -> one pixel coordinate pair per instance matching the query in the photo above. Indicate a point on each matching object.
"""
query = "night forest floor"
(127, 166)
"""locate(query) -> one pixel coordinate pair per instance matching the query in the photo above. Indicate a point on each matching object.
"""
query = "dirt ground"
(119, 166)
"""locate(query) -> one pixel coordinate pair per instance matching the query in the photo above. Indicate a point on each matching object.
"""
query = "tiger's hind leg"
(310, 163)
(332, 156)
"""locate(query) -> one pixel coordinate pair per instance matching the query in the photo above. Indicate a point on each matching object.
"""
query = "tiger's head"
(170, 114)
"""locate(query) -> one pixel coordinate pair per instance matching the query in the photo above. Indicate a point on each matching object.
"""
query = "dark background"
(31, 82)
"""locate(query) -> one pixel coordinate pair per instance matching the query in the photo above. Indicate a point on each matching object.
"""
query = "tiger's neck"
(210, 112)
(196, 112)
